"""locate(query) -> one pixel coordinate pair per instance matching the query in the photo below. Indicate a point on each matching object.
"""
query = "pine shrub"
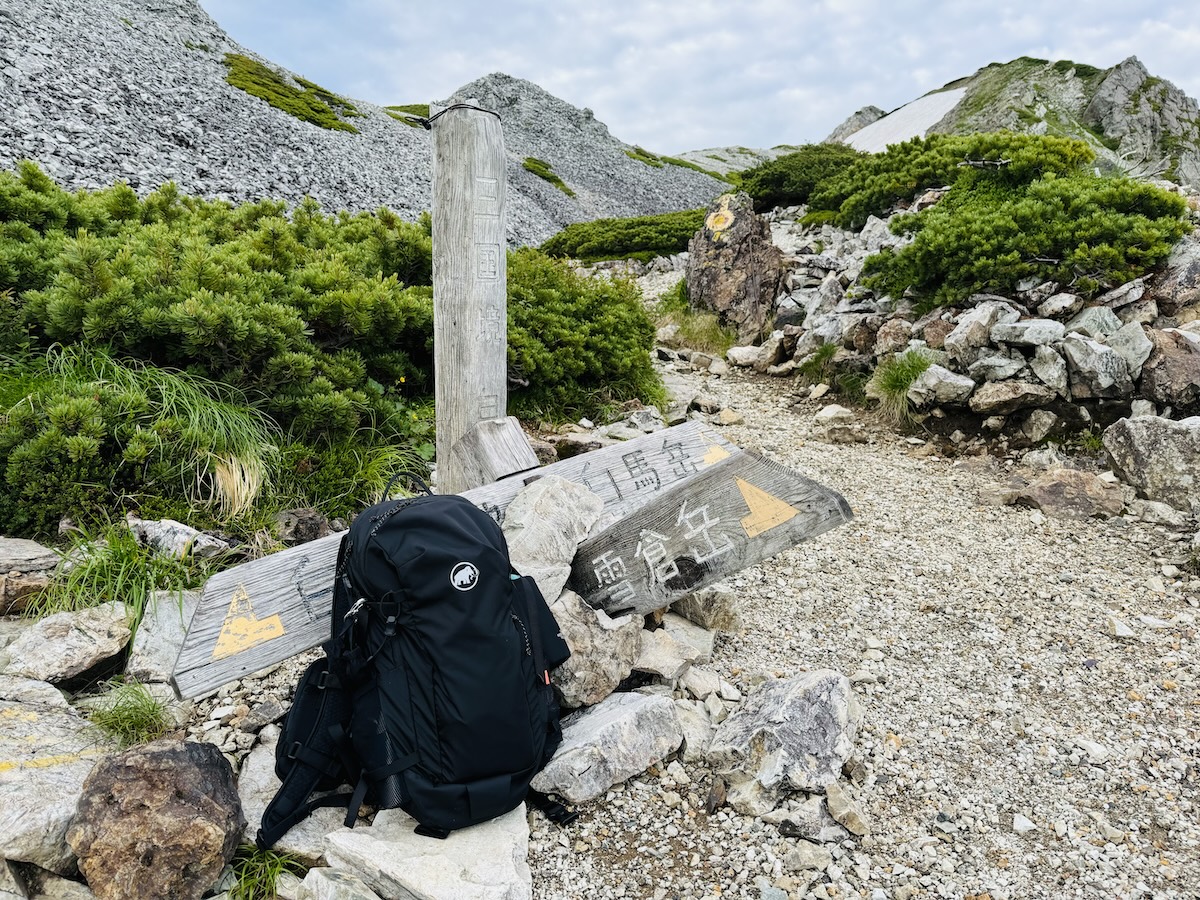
(639, 237)
(790, 180)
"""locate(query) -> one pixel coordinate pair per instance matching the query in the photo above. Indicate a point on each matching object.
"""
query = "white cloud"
(673, 75)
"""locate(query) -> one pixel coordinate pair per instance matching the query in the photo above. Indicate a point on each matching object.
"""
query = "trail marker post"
(470, 334)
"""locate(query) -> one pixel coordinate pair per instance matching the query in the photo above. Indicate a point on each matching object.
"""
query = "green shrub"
(1085, 232)
(410, 113)
(542, 170)
(891, 381)
(640, 237)
(581, 343)
(645, 156)
(790, 180)
(308, 102)
(873, 184)
(87, 433)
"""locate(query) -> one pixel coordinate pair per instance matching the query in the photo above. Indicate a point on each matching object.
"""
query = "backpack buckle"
(294, 750)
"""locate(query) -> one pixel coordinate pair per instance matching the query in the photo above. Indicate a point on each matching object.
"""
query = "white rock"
(330, 884)
(160, 635)
(1022, 825)
(544, 525)
(67, 644)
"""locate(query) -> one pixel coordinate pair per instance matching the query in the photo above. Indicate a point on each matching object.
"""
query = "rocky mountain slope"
(1135, 122)
(95, 92)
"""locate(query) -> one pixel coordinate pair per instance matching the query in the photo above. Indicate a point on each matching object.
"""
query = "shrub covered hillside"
(169, 353)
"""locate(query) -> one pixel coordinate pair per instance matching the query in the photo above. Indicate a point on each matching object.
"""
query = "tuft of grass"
(409, 113)
(256, 872)
(542, 170)
(697, 330)
(130, 713)
(645, 156)
(113, 566)
(308, 102)
(1090, 440)
(891, 381)
(818, 365)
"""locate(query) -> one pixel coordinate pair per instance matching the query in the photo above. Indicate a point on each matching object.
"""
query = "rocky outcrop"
(78, 100)
(733, 268)
(858, 120)
(68, 644)
(158, 822)
(1159, 457)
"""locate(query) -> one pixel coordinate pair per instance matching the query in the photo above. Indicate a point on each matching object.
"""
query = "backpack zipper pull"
(353, 611)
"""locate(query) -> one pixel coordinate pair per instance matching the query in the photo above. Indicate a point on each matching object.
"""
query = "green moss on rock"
(308, 102)
(542, 170)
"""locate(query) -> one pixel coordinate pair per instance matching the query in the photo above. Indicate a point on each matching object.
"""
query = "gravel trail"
(1013, 745)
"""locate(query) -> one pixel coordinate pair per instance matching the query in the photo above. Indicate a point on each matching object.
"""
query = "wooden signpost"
(264, 611)
(738, 512)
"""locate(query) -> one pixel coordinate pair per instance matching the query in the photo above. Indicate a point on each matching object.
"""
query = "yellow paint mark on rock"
(243, 629)
(46, 762)
(720, 218)
(766, 511)
(715, 453)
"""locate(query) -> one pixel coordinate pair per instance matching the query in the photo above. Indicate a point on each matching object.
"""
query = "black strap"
(553, 810)
(268, 835)
(413, 478)
(354, 804)
(429, 831)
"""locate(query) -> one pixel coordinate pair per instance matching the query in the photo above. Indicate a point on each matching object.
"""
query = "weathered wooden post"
(469, 281)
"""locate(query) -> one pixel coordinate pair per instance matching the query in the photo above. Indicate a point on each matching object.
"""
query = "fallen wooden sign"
(262, 612)
(738, 512)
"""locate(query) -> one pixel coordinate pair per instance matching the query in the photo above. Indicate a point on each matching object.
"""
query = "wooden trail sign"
(742, 510)
(264, 611)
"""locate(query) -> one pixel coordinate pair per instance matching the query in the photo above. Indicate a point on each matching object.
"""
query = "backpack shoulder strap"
(321, 754)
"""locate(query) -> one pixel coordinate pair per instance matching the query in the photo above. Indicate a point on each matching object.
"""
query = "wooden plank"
(491, 450)
(470, 323)
(259, 613)
(736, 513)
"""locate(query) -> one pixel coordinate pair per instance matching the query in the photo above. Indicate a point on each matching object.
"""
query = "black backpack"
(434, 692)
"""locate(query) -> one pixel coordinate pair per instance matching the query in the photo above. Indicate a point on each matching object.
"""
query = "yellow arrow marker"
(243, 629)
(766, 511)
(715, 453)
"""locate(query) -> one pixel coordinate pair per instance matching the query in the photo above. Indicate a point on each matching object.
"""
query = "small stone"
(1022, 825)
(1118, 627)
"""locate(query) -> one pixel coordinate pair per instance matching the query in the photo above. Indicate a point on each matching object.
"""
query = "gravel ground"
(1013, 746)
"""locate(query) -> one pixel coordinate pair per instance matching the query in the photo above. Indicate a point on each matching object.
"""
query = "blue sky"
(677, 75)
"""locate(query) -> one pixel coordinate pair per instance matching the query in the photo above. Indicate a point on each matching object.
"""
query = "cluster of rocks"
(100, 92)
(164, 819)
(1037, 365)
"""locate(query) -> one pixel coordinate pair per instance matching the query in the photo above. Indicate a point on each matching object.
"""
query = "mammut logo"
(464, 576)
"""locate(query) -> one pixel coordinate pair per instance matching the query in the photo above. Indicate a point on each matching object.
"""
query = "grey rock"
(938, 386)
(788, 734)
(331, 884)
(603, 651)
(1095, 369)
(175, 539)
(36, 693)
(1042, 460)
(484, 862)
(845, 811)
(1178, 287)
(1095, 322)
(688, 634)
(18, 589)
(771, 353)
(1028, 333)
(974, 328)
(1051, 369)
(21, 555)
(743, 357)
(1159, 457)
(1160, 514)
(1072, 494)
(859, 120)
(805, 856)
(808, 819)
(1124, 294)
(1141, 407)
(714, 608)
(544, 525)
(696, 728)
(893, 336)
(663, 655)
(160, 635)
(1004, 397)
(12, 885)
(257, 785)
(1131, 343)
(620, 737)
(1039, 424)
(1171, 375)
(49, 752)
(996, 366)
(56, 888)
(67, 644)
(1059, 306)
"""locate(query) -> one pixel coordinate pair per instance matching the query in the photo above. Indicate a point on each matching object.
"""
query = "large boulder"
(1179, 285)
(487, 861)
(1051, 369)
(1171, 374)
(543, 527)
(1096, 370)
(1072, 494)
(1159, 457)
(999, 398)
(160, 635)
(733, 267)
(603, 745)
(67, 644)
(158, 822)
(47, 752)
(973, 329)
(790, 734)
(1131, 343)
(603, 651)
(937, 386)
